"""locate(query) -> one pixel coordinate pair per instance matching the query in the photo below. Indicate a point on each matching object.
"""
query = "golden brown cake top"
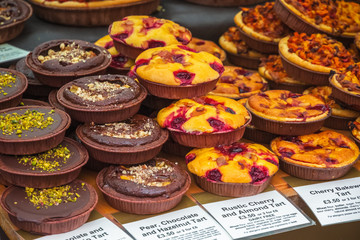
(235, 163)
(349, 79)
(327, 149)
(177, 65)
(148, 32)
(355, 128)
(207, 114)
(237, 82)
(283, 105)
(207, 46)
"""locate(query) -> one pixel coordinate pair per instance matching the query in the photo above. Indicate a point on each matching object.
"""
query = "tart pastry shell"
(350, 100)
(13, 100)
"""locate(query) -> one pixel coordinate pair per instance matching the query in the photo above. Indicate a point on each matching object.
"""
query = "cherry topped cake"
(133, 34)
(57, 62)
(319, 156)
(152, 187)
(238, 169)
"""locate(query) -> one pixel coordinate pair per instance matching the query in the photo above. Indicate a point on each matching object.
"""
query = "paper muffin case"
(231, 189)
(175, 148)
(95, 165)
(258, 44)
(303, 74)
(138, 205)
(127, 50)
(296, 88)
(337, 122)
(178, 92)
(352, 101)
(13, 100)
(156, 103)
(96, 16)
(258, 136)
(244, 61)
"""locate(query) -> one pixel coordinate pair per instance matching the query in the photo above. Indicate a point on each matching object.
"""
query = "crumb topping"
(6, 80)
(69, 54)
(40, 161)
(126, 130)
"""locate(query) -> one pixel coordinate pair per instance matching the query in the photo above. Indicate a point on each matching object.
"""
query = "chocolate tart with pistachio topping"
(132, 141)
(57, 62)
(153, 187)
(102, 99)
(12, 86)
(31, 129)
(50, 210)
(57, 166)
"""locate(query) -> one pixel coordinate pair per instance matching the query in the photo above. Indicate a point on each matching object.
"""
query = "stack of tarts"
(42, 166)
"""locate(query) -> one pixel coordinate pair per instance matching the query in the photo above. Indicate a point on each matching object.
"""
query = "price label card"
(10, 53)
(100, 229)
(256, 216)
(333, 202)
(190, 223)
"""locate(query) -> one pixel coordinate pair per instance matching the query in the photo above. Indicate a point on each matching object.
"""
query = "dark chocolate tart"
(124, 148)
(13, 85)
(57, 62)
(53, 219)
(21, 134)
(19, 12)
(58, 166)
(102, 99)
(134, 197)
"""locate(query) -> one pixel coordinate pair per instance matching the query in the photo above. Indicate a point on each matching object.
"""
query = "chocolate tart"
(13, 14)
(322, 156)
(132, 141)
(289, 114)
(101, 99)
(53, 100)
(12, 86)
(91, 13)
(299, 22)
(54, 219)
(134, 197)
(225, 3)
(33, 102)
(36, 175)
(235, 170)
(35, 87)
(57, 62)
(34, 139)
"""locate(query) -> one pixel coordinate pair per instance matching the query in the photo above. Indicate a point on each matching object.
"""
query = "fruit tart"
(236, 83)
(57, 62)
(260, 28)
(285, 113)
(12, 86)
(237, 51)
(176, 71)
(234, 170)
(50, 210)
(320, 156)
(149, 188)
(310, 58)
(207, 46)
(205, 121)
(134, 34)
(102, 98)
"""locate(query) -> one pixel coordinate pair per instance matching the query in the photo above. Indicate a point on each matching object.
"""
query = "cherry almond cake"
(320, 156)
(235, 170)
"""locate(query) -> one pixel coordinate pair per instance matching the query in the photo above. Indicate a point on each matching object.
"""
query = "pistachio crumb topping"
(148, 175)
(14, 122)
(6, 80)
(47, 197)
(70, 53)
(39, 161)
(98, 90)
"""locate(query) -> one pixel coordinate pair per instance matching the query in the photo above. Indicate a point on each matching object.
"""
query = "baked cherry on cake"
(12, 86)
(57, 62)
(287, 113)
(177, 71)
(155, 186)
(271, 68)
(134, 34)
(319, 156)
(236, 82)
(238, 169)
(260, 28)
(207, 46)
(50, 210)
(209, 119)
(119, 62)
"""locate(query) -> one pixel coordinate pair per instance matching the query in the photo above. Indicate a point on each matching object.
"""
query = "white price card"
(333, 202)
(10, 53)
(186, 224)
(100, 229)
(255, 216)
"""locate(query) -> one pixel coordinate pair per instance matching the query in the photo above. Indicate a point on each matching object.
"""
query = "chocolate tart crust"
(13, 99)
